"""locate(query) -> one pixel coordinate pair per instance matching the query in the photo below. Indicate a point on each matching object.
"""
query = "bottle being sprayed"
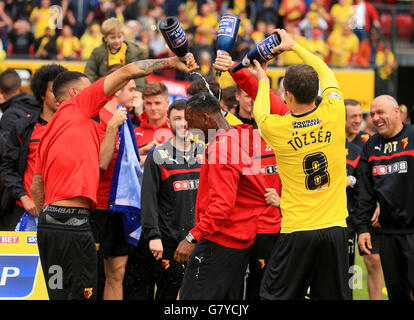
(174, 36)
(262, 52)
(227, 34)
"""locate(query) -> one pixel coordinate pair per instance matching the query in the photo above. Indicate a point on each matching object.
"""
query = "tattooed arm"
(38, 193)
(118, 79)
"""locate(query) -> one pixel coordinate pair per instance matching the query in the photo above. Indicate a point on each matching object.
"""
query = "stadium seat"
(386, 23)
(404, 23)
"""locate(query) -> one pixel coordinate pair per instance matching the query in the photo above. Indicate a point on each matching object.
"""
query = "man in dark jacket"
(18, 104)
(169, 192)
(386, 177)
(18, 162)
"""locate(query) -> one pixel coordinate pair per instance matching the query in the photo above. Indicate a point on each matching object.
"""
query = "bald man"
(387, 175)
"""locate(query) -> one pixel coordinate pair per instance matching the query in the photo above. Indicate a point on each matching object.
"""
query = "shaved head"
(385, 100)
(385, 115)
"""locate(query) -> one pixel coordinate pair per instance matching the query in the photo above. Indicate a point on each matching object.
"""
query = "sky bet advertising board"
(21, 276)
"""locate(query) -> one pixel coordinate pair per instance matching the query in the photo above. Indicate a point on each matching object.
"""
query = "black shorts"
(317, 259)
(375, 240)
(110, 235)
(261, 251)
(214, 272)
(168, 274)
(397, 261)
(67, 253)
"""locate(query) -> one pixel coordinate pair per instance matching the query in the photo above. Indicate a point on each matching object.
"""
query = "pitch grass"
(362, 294)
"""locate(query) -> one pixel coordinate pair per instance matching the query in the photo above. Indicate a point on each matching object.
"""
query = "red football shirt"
(105, 177)
(146, 132)
(68, 154)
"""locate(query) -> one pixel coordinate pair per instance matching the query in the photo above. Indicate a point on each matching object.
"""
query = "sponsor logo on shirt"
(269, 169)
(397, 167)
(306, 123)
(183, 185)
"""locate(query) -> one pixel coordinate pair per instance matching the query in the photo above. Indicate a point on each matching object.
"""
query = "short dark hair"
(229, 96)
(10, 81)
(41, 78)
(199, 85)
(302, 81)
(179, 104)
(155, 88)
(351, 102)
(63, 80)
(204, 101)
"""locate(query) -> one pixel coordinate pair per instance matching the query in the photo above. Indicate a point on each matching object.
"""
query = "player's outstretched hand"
(223, 62)
(187, 66)
(286, 41)
(258, 72)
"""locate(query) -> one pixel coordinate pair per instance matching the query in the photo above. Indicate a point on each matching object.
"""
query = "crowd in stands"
(345, 33)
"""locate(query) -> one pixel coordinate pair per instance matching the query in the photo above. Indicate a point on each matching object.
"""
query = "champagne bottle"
(174, 36)
(262, 52)
(227, 34)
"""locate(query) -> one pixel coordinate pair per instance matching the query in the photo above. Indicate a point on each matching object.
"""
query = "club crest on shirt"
(364, 137)
(262, 263)
(404, 142)
(165, 264)
(88, 292)
(334, 95)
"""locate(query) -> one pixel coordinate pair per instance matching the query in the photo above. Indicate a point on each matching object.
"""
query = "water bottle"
(227, 34)
(262, 52)
(174, 36)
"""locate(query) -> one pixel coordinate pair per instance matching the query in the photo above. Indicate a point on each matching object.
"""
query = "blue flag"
(125, 194)
(27, 222)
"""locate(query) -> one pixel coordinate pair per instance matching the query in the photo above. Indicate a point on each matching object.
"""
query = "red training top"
(230, 194)
(68, 154)
(248, 83)
(146, 132)
(269, 220)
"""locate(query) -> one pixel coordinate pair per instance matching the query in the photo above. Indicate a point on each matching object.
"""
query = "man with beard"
(169, 192)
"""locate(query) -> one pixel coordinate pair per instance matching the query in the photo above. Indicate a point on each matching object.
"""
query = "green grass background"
(362, 294)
